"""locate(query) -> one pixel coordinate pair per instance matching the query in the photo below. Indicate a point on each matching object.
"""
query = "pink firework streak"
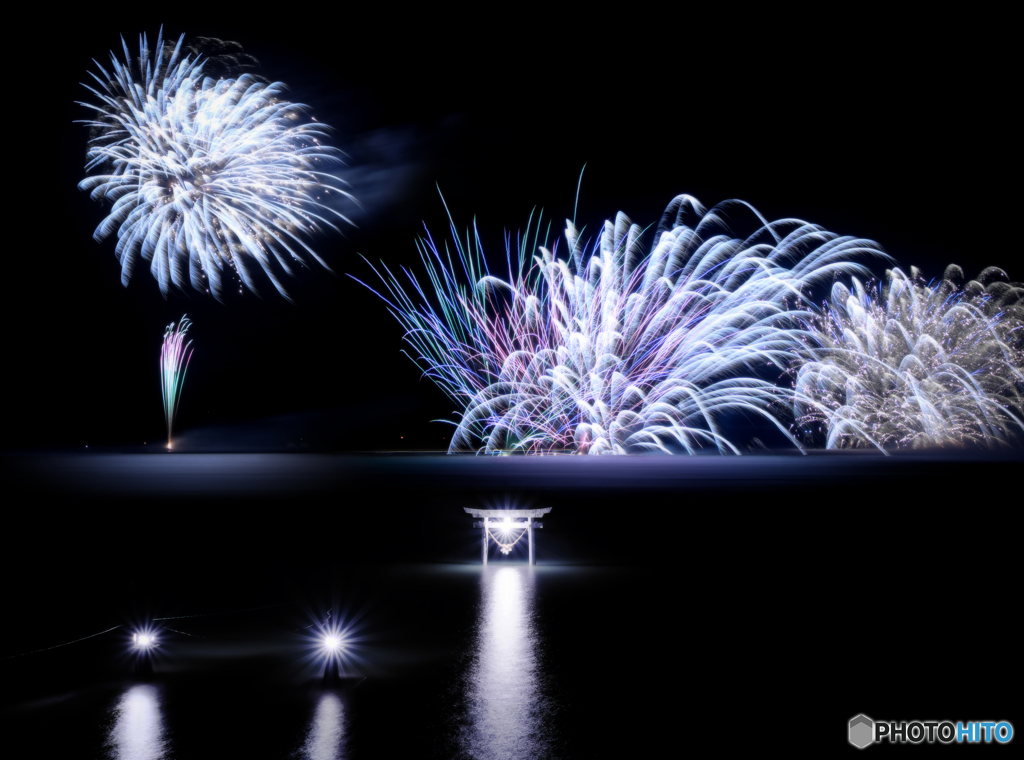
(174, 358)
(625, 348)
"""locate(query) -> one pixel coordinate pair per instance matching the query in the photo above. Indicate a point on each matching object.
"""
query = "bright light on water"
(505, 704)
(138, 730)
(326, 731)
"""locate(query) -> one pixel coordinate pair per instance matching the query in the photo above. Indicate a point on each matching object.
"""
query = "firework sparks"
(204, 175)
(619, 350)
(174, 358)
(912, 365)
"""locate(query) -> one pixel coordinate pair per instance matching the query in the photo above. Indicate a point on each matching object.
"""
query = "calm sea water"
(677, 602)
(453, 661)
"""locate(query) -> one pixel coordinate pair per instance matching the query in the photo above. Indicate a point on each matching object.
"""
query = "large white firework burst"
(620, 350)
(205, 176)
(910, 365)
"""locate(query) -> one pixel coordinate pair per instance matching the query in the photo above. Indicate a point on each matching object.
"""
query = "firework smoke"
(174, 358)
(912, 365)
(205, 175)
(619, 350)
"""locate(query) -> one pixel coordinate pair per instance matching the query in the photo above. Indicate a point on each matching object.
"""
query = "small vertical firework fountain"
(174, 357)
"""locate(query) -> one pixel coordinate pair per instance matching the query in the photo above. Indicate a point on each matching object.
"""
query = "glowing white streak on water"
(138, 730)
(326, 731)
(505, 703)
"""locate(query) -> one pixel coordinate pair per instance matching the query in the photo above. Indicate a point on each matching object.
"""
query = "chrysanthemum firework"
(619, 350)
(206, 175)
(909, 364)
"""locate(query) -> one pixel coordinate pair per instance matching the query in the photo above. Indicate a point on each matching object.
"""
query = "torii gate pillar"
(529, 538)
(508, 518)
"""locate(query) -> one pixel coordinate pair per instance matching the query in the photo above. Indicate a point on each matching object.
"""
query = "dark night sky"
(898, 132)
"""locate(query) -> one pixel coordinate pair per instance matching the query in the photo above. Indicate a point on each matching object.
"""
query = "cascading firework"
(206, 175)
(908, 365)
(174, 358)
(618, 350)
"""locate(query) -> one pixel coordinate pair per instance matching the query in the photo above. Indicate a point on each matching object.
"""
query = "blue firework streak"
(620, 349)
(204, 176)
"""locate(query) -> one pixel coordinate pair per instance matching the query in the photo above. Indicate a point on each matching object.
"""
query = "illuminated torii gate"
(508, 524)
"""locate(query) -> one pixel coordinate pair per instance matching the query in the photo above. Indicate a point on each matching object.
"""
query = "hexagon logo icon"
(862, 731)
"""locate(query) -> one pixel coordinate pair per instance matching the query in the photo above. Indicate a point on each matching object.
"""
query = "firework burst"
(619, 350)
(205, 176)
(909, 364)
(174, 358)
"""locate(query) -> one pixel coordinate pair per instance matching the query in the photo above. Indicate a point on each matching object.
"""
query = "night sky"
(895, 132)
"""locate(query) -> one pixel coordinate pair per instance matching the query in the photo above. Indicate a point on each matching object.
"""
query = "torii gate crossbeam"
(507, 522)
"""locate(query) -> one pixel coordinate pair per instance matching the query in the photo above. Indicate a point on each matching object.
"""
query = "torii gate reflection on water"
(507, 526)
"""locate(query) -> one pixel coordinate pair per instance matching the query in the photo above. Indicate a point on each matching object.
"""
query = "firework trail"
(619, 350)
(913, 365)
(206, 175)
(174, 358)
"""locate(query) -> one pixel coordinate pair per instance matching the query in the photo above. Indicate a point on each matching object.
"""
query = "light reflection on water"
(324, 741)
(138, 730)
(504, 695)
